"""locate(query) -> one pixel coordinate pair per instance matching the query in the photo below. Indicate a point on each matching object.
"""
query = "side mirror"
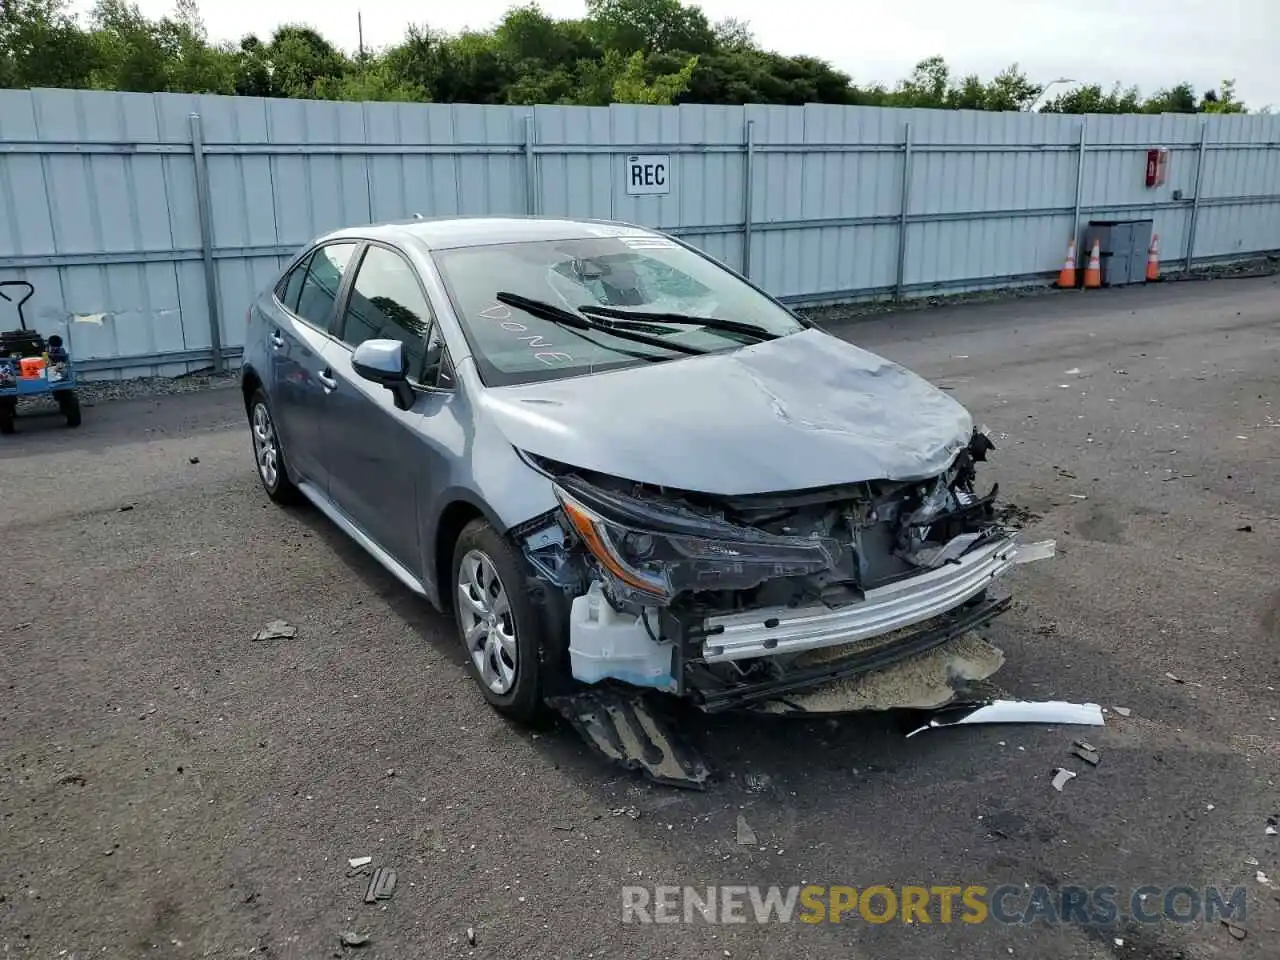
(385, 362)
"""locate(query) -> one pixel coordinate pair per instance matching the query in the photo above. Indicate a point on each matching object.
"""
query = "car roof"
(443, 233)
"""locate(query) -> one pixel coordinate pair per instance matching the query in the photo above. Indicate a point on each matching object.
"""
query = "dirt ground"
(171, 788)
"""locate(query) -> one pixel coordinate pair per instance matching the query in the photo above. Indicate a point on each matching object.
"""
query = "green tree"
(373, 82)
(650, 26)
(632, 85)
(132, 52)
(927, 86)
(1092, 99)
(42, 45)
(301, 60)
(1011, 90)
(1222, 100)
(732, 34)
(1180, 98)
(253, 69)
(630, 51)
(196, 66)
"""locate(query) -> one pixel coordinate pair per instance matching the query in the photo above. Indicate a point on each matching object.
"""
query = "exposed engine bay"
(742, 601)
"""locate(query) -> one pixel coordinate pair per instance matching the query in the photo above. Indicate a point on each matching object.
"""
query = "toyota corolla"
(618, 464)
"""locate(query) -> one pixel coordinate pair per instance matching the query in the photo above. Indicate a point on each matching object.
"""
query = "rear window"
(319, 288)
(289, 288)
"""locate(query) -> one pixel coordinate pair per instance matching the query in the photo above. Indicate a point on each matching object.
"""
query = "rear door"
(381, 460)
(308, 295)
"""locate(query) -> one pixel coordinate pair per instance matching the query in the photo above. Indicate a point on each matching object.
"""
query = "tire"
(511, 684)
(8, 415)
(268, 454)
(69, 404)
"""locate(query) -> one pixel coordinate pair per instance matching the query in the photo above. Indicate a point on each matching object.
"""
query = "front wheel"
(8, 414)
(499, 627)
(268, 454)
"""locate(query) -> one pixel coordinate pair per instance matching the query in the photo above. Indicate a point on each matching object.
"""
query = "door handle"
(327, 380)
(277, 340)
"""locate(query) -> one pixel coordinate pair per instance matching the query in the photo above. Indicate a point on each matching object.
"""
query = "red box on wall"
(1157, 166)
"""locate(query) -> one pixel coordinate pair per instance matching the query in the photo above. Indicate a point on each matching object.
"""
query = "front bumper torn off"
(912, 600)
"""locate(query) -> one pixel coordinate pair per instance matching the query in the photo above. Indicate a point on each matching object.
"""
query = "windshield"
(646, 274)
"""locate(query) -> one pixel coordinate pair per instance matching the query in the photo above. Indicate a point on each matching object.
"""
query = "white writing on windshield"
(500, 313)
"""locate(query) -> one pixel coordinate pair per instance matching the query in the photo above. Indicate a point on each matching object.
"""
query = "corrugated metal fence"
(147, 222)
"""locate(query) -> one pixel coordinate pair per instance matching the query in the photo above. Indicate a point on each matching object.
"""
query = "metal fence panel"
(137, 223)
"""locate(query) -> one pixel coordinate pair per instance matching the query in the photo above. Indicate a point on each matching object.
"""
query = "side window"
(289, 287)
(320, 287)
(387, 303)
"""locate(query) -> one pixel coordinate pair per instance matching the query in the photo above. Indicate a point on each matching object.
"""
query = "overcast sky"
(1151, 43)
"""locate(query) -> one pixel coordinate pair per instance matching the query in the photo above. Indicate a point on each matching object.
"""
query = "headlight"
(660, 563)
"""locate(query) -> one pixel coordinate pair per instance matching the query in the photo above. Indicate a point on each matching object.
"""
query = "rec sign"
(648, 174)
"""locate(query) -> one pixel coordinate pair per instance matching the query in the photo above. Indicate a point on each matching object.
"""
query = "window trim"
(340, 316)
(306, 258)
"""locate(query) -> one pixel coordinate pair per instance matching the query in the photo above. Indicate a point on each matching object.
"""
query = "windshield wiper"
(711, 323)
(567, 318)
(577, 332)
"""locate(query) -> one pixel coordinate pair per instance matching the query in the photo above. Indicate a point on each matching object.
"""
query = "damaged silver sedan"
(618, 464)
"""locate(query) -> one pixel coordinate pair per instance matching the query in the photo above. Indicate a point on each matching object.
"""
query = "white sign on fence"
(648, 174)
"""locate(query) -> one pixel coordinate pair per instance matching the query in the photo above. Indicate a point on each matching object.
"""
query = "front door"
(376, 452)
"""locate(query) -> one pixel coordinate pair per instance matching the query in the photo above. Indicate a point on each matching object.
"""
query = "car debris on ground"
(277, 630)
(1236, 930)
(1086, 752)
(621, 725)
(350, 938)
(381, 885)
(745, 835)
(1048, 712)
(1060, 777)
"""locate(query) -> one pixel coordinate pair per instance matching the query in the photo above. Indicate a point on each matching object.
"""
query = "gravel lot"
(170, 788)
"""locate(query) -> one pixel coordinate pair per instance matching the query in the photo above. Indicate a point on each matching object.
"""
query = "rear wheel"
(268, 454)
(69, 404)
(500, 630)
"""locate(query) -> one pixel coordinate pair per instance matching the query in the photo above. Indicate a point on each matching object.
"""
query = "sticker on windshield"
(649, 243)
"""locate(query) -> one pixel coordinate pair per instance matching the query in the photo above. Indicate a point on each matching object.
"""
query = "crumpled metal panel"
(807, 410)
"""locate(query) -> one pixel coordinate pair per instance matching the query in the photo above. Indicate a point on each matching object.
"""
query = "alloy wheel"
(488, 625)
(265, 447)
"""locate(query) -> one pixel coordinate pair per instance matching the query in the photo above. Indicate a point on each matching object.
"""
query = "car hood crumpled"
(806, 410)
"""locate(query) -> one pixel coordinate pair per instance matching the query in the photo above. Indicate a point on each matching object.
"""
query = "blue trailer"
(33, 366)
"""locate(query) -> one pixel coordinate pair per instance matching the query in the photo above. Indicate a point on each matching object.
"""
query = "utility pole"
(360, 34)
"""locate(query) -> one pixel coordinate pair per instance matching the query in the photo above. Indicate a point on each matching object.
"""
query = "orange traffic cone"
(1067, 275)
(1093, 272)
(1153, 258)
